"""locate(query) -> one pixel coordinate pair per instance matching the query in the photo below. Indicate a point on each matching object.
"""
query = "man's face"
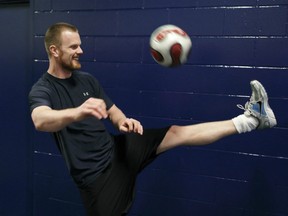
(70, 51)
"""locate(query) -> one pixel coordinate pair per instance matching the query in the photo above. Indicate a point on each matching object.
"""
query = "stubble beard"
(71, 66)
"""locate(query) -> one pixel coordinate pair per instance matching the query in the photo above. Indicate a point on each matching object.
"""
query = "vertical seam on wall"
(223, 24)
(286, 27)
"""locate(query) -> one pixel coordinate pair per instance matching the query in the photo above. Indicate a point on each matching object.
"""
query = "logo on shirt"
(86, 94)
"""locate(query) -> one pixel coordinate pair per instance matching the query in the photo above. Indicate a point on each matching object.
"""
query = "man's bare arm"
(49, 120)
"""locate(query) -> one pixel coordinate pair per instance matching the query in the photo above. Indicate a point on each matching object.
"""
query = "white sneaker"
(258, 106)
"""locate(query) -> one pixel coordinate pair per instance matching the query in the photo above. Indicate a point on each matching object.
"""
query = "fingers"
(131, 125)
(95, 107)
(101, 111)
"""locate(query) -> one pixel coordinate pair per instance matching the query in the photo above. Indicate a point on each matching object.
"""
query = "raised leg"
(198, 134)
(257, 115)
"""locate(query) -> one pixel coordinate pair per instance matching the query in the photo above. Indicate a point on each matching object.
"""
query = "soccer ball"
(170, 45)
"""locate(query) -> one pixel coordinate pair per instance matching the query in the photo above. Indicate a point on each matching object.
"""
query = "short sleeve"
(39, 96)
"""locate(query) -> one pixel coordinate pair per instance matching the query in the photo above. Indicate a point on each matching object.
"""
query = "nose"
(79, 51)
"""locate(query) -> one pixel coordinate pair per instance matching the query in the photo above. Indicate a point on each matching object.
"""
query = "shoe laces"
(245, 108)
(241, 107)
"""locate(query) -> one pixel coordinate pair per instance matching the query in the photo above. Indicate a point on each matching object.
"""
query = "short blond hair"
(53, 34)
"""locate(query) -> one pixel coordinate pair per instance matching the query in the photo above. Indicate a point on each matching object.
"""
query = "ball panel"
(157, 55)
(175, 52)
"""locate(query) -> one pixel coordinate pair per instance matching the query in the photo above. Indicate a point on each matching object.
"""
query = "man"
(70, 104)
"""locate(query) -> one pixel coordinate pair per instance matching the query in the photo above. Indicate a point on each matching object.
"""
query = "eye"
(74, 47)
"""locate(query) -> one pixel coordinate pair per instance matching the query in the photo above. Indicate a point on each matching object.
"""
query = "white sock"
(245, 123)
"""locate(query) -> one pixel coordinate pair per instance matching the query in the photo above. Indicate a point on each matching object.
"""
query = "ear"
(54, 51)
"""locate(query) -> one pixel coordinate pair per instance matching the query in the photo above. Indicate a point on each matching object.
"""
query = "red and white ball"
(170, 46)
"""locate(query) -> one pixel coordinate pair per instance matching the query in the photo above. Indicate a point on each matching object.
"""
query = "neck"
(59, 72)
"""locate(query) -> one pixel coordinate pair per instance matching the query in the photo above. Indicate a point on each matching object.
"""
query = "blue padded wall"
(16, 150)
(233, 42)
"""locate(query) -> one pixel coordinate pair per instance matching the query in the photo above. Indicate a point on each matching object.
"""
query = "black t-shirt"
(86, 145)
